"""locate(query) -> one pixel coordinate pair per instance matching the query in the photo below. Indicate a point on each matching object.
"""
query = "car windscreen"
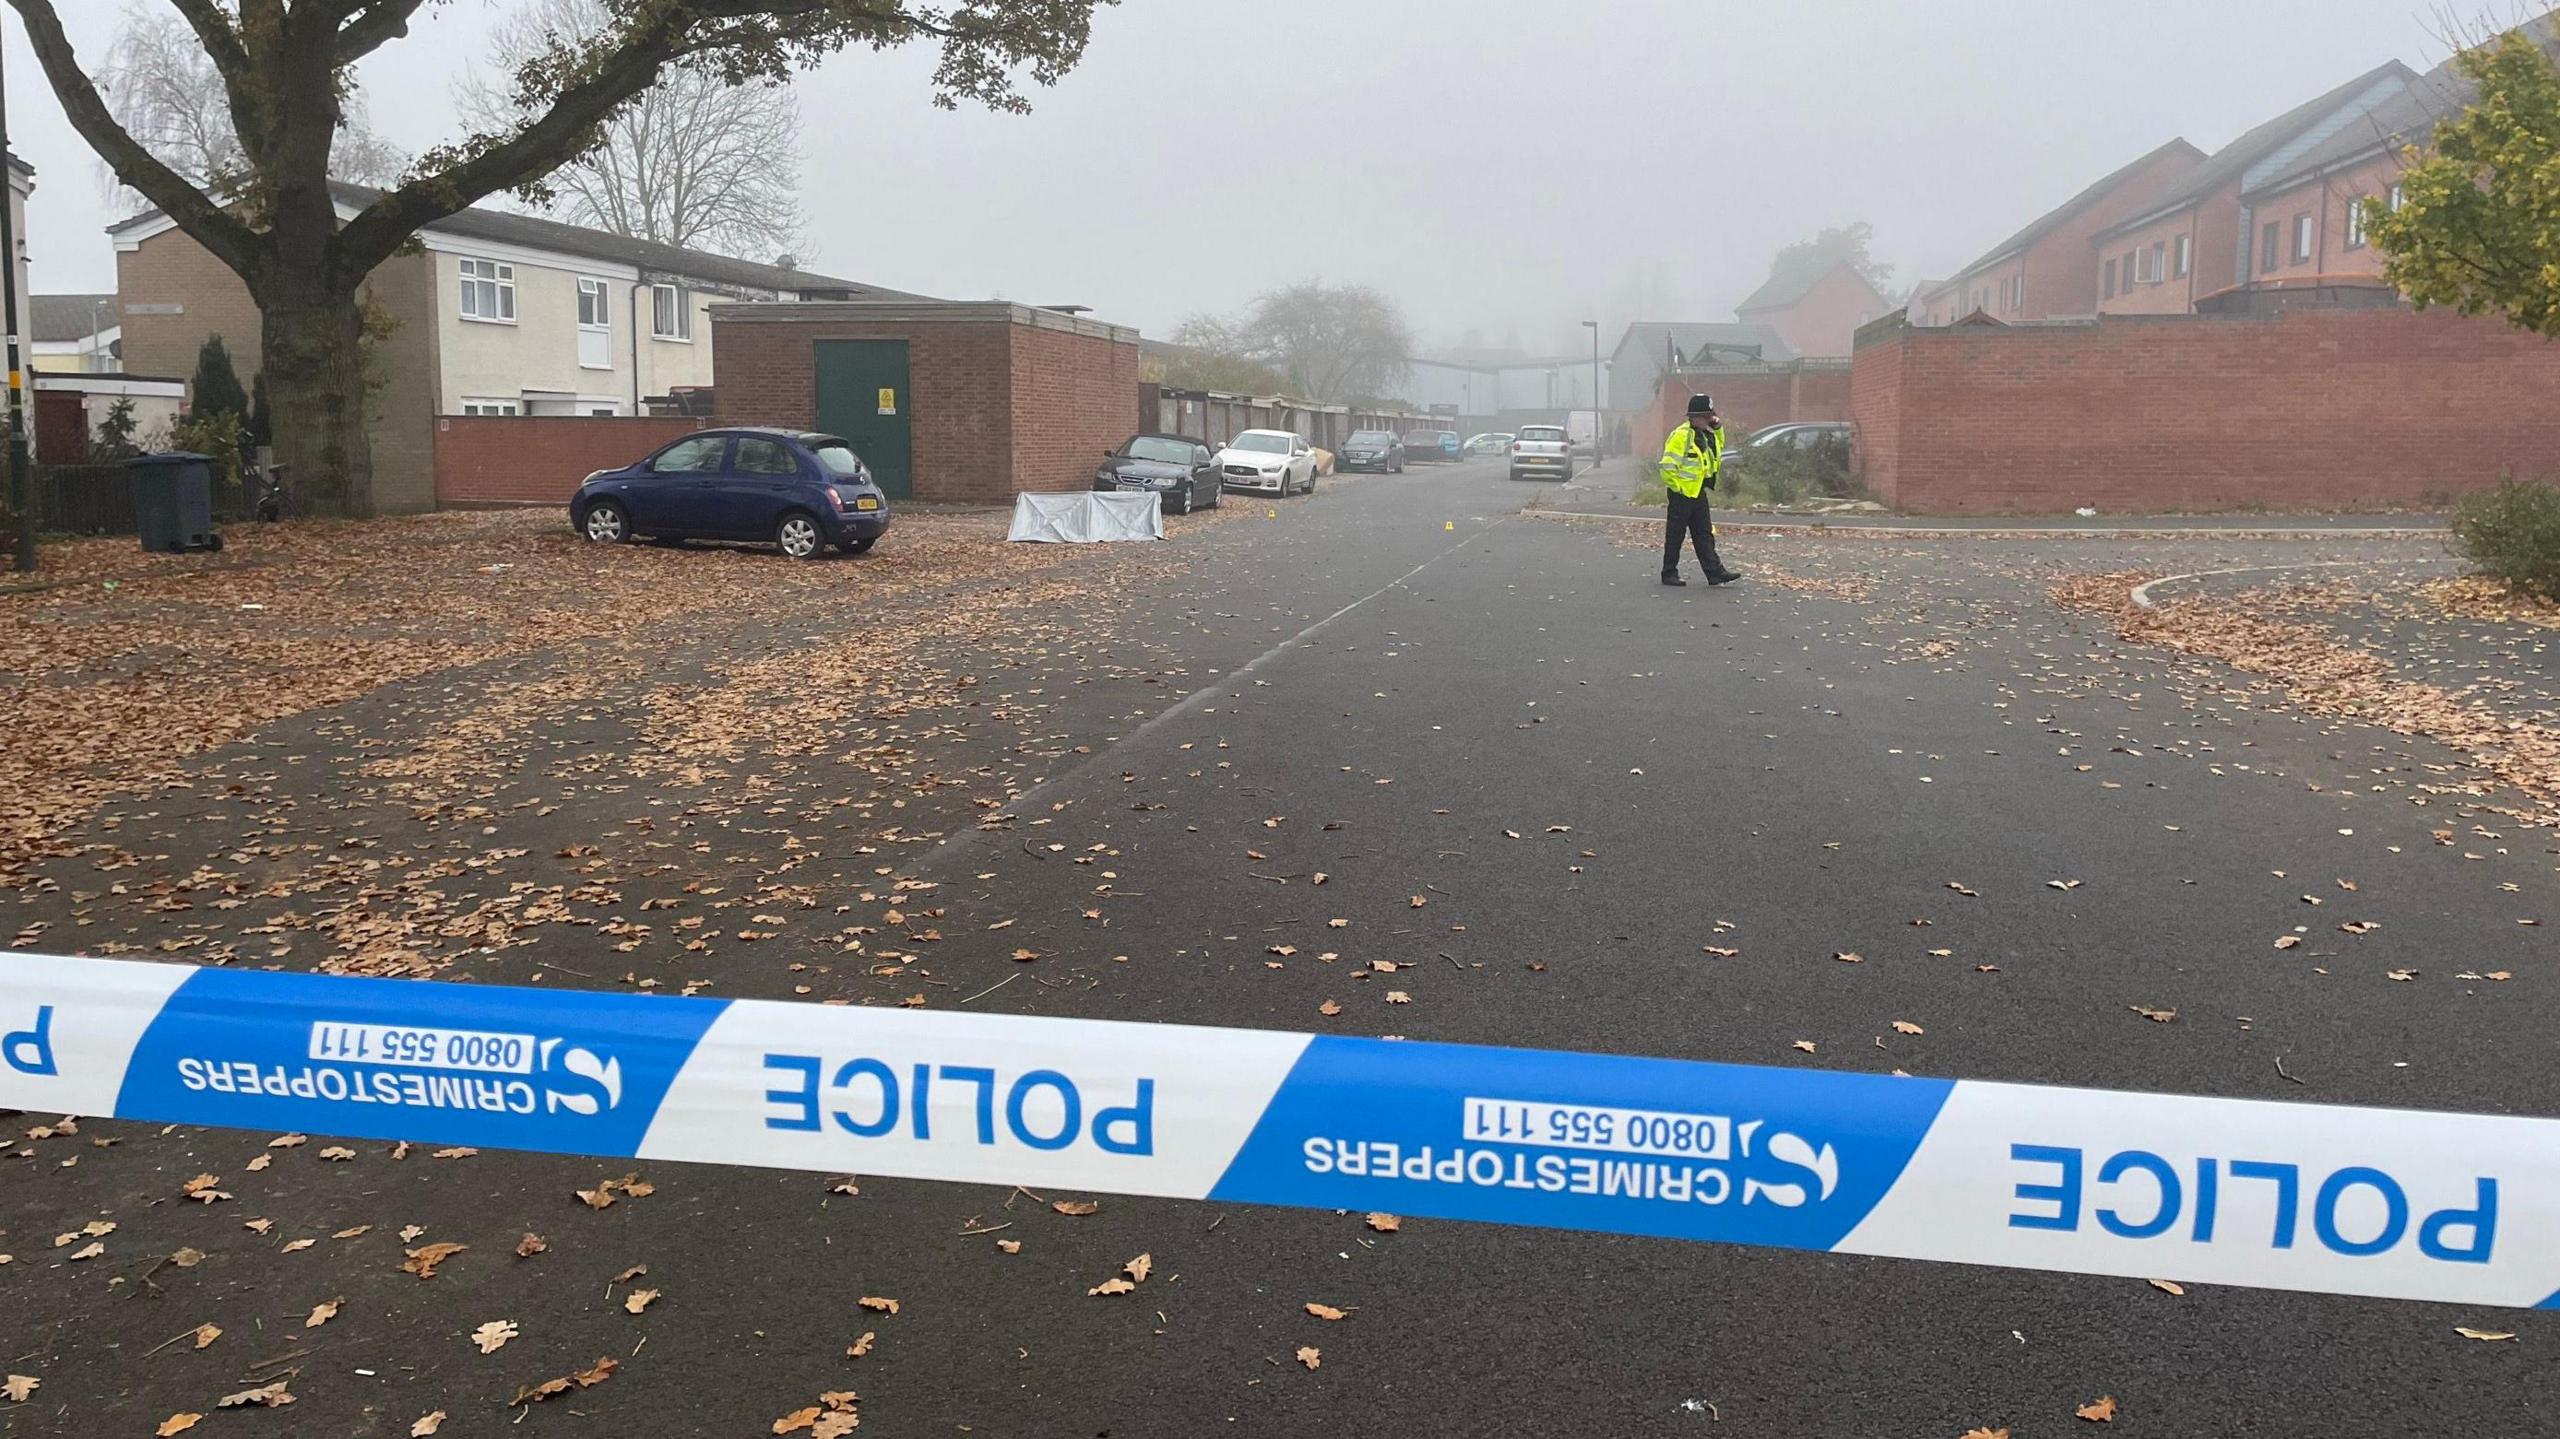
(1153, 447)
(840, 460)
(1262, 444)
(1370, 437)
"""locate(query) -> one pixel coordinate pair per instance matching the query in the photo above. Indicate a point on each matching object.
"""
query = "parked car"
(1492, 442)
(1541, 451)
(1273, 462)
(1373, 450)
(1791, 434)
(799, 491)
(1177, 468)
(1450, 450)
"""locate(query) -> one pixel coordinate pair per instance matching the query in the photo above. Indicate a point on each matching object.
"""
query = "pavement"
(1402, 683)
(1603, 490)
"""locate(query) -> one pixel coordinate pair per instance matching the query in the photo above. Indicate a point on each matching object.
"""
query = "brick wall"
(1751, 397)
(484, 461)
(1070, 404)
(2305, 410)
(996, 406)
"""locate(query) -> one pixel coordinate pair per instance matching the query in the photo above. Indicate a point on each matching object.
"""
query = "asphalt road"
(1403, 673)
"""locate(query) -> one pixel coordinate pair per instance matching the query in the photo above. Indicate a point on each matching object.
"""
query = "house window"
(492, 407)
(2132, 268)
(2397, 196)
(2185, 256)
(592, 304)
(595, 334)
(2355, 221)
(671, 317)
(2301, 238)
(2107, 289)
(2269, 243)
(2159, 259)
(488, 291)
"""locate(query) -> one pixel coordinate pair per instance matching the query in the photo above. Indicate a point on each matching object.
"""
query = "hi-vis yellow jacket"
(1689, 464)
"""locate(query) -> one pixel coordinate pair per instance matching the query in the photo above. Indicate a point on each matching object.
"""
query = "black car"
(1423, 447)
(1371, 450)
(1179, 469)
(799, 491)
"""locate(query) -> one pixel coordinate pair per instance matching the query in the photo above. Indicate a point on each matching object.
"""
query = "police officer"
(1691, 459)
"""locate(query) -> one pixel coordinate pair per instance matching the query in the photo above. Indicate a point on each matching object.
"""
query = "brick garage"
(492, 461)
(1002, 397)
(2301, 410)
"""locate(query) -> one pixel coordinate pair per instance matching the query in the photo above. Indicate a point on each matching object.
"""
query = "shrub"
(2513, 534)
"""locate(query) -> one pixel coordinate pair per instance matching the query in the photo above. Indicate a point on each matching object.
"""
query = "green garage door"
(862, 395)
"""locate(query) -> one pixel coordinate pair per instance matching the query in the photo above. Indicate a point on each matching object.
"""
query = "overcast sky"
(1504, 169)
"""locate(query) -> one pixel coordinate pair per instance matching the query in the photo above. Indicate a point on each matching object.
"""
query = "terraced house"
(495, 314)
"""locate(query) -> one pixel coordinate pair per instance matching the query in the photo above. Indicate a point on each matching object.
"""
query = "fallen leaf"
(2402, 976)
(530, 1245)
(2288, 941)
(1325, 1312)
(1719, 953)
(288, 1141)
(860, 1346)
(1310, 1356)
(267, 1396)
(2099, 1411)
(1805, 1044)
(1398, 996)
(337, 1154)
(597, 1198)
(1960, 889)
(1112, 1286)
(187, 1258)
(2360, 926)
(2000, 1433)
(322, 1313)
(91, 1250)
(2062, 884)
(1329, 1008)
(176, 1424)
(638, 1300)
(1385, 1223)
(423, 1260)
(877, 1304)
(1416, 902)
(1075, 1208)
(1904, 1026)
(627, 1275)
(19, 1386)
(427, 1424)
(292, 1245)
(1025, 956)
(796, 1420)
(493, 1336)
(353, 1233)
(409, 1233)
(1140, 1267)
(1848, 956)
(2485, 1336)
(583, 1379)
(1010, 1246)
(2166, 1287)
(2156, 1016)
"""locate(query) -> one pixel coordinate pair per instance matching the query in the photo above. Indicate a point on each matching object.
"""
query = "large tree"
(284, 67)
(2478, 223)
(1830, 247)
(1331, 343)
(161, 85)
(693, 161)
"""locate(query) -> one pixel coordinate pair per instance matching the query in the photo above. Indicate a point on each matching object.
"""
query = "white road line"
(2142, 592)
(1227, 683)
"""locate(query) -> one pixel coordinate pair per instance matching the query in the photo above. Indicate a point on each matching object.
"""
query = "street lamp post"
(21, 491)
(1593, 326)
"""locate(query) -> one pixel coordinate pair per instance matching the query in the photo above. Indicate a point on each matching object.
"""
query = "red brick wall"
(2310, 409)
(485, 460)
(1071, 397)
(1750, 397)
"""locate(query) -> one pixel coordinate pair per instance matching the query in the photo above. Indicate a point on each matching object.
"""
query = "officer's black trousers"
(1688, 517)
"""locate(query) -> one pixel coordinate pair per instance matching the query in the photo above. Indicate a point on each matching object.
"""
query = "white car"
(1541, 450)
(1271, 462)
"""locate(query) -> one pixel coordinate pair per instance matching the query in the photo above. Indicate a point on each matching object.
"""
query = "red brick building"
(1816, 309)
(2204, 236)
(947, 400)
(2043, 270)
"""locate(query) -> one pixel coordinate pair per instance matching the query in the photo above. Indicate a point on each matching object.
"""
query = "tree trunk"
(312, 355)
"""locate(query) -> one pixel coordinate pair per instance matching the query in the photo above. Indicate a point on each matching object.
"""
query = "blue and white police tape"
(2390, 1203)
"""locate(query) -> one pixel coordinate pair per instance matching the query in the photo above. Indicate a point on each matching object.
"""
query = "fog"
(1503, 169)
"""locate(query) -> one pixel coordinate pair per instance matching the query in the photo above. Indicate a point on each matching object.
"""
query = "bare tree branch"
(227, 238)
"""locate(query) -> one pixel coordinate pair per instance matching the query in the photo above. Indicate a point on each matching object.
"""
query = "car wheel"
(606, 523)
(799, 536)
(859, 547)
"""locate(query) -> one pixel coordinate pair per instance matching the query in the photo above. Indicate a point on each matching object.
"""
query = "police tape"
(2375, 1202)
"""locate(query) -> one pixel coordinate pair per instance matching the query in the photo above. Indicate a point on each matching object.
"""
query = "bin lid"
(172, 457)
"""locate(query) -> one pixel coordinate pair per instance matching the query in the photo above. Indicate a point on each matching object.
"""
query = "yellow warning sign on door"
(888, 401)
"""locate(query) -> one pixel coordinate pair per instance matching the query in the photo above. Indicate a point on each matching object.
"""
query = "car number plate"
(866, 502)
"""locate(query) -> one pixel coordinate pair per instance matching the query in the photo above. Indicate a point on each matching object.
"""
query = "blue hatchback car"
(800, 492)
